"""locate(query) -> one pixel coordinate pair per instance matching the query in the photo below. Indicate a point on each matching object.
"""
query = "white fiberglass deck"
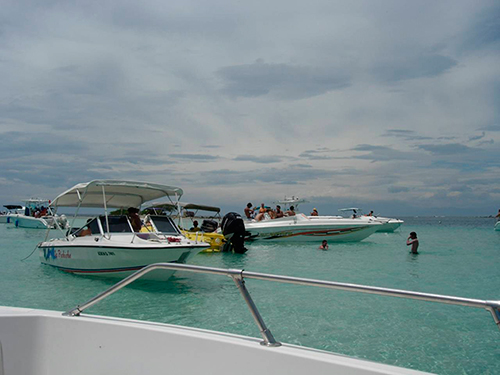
(39, 342)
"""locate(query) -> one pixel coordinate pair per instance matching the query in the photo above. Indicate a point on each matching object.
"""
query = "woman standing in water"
(413, 241)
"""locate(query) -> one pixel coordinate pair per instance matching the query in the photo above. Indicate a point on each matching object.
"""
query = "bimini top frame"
(113, 194)
(238, 277)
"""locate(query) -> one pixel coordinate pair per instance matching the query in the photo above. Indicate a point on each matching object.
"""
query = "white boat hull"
(302, 229)
(23, 221)
(118, 257)
(5, 219)
(387, 225)
(40, 342)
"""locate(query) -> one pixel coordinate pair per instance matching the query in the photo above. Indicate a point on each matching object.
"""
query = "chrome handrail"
(238, 277)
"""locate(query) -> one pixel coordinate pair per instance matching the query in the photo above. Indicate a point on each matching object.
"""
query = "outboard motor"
(233, 229)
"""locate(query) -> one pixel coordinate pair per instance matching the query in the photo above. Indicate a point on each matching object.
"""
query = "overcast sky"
(389, 105)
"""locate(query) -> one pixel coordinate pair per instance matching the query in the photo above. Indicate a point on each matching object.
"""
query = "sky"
(391, 106)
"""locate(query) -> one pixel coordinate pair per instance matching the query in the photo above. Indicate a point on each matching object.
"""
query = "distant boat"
(38, 215)
(12, 209)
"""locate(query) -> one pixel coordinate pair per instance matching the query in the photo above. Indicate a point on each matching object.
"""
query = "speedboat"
(303, 228)
(50, 342)
(108, 245)
(12, 209)
(38, 215)
(389, 225)
(185, 214)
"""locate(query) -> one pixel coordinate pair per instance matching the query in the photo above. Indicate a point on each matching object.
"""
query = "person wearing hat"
(315, 212)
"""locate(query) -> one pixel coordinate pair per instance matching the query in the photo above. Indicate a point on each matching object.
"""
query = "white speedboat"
(40, 342)
(12, 210)
(108, 245)
(38, 215)
(389, 225)
(303, 228)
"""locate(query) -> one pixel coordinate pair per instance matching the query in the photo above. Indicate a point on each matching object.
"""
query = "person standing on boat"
(135, 220)
(315, 212)
(413, 241)
(249, 211)
(498, 216)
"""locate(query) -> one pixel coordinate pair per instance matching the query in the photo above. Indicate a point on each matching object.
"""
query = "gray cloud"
(398, 189)
(317, 154)
(477, 137)
(259, 159)
(408, 135)
(448, 149)
(382, 153)
(413, 66)
(194, 157)
(491, 128)
(281, 80)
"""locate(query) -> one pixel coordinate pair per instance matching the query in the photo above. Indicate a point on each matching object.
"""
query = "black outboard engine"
(233, 229)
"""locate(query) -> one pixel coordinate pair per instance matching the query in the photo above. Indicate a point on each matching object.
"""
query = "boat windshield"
(117, 224)
(164, 224)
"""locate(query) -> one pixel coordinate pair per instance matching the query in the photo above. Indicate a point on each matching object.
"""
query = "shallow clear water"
(458, 256)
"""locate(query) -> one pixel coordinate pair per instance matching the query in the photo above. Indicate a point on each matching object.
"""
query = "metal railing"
(238, 277)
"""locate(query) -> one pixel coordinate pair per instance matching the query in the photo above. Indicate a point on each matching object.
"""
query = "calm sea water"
(458, 256)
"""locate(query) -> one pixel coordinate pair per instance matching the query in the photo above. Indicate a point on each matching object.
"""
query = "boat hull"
(101, 257)
(390, 226)
(497, 226)
(23, 221)
(302, 229)
(5, 219)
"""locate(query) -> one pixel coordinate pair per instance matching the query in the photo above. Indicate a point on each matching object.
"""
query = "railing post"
(264, 331)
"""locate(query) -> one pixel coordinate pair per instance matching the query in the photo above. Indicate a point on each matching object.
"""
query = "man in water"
(324, 245)
(413, 241)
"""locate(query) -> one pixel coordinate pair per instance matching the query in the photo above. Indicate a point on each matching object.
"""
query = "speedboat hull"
(387, 225)
(117, 257)
(23, 221)
(302, 229)
(5, 219)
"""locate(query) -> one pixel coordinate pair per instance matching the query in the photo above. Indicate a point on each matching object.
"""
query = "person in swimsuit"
(413, 242)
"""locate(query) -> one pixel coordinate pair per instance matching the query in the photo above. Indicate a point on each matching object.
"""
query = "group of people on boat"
(266, 212)
(37, 212)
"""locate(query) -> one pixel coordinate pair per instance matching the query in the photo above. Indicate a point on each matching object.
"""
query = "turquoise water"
(458, 256)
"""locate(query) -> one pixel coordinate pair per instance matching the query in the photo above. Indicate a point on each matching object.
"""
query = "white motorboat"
(303, 228)
(40, 342)
(389, 225)
(38, 215)
(108, 245)
(12, 209)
